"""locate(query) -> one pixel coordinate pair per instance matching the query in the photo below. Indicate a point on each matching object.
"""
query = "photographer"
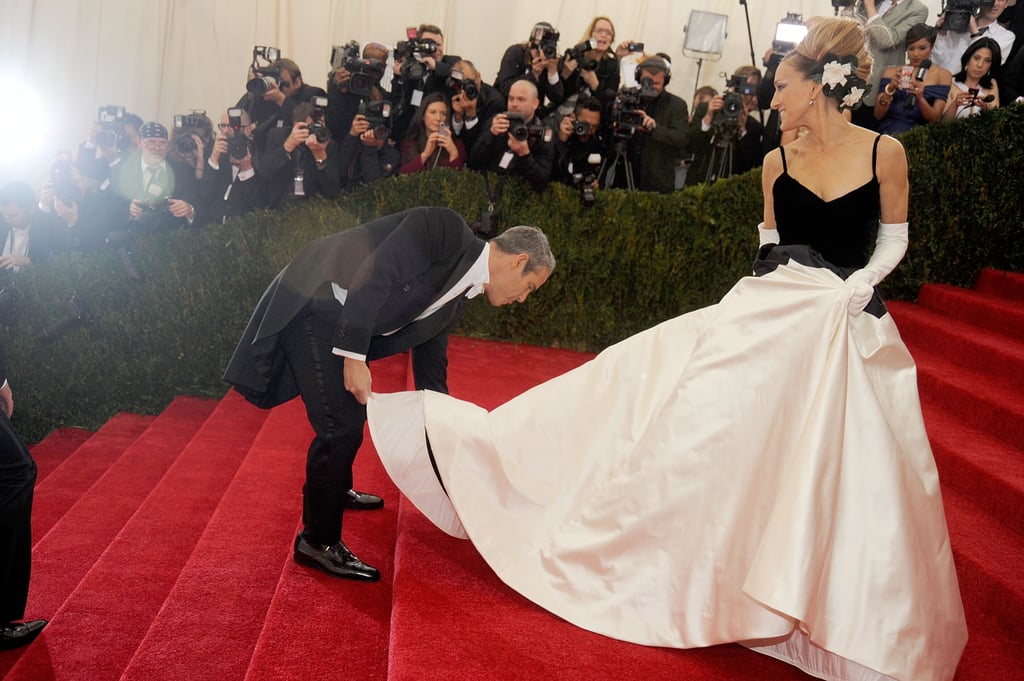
(578, 139)
(114, 134)
(301, 161)
(191, 140)
(430, 142)
(352, 80)
(886, 24)
(156, 192)
(474, 103)
(420, 68)
(956, 34)
(591, 67)
(535, 60)
(273, 91)
(29, 236)
(517, 142)
(367, 152)
(724, 138)
(231, 186)
(664, 129)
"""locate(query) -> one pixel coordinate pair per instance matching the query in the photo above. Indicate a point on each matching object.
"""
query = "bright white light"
(24, 122)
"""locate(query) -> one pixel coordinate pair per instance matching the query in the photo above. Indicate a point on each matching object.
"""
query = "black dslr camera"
(546, 40)
(457, 82)
(958, 13)
(378, 115)
(585, 179)
(264, 77)
(62, 176)
(184, 126)
(578, 53)
(109, 134)
(318, 128)
(520, 130)
(238, 143)
(726, 122)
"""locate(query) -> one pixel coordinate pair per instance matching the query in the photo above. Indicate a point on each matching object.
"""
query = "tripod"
(720, 163)
(621, 157)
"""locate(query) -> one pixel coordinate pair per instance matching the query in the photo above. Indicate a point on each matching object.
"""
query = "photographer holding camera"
(191, 140)
(579, 138)
(353, 79)
(114, 134)
(474, 103)
(535, 60)
(160, 193)
(591, 67)
(724, 138)
(964, 22)
(300, 161)
(29, 236)
(272, 92)
(662, 129)
(367, 152)
(420, 68)
(517, 142)
(231, 186)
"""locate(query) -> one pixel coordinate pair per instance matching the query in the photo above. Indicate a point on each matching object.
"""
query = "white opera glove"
(890, 247)
(766, 236)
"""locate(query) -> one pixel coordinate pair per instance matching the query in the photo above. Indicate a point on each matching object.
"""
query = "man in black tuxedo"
(17, 483)
(397, 283)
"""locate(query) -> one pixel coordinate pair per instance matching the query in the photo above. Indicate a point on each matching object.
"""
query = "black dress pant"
(17, 483)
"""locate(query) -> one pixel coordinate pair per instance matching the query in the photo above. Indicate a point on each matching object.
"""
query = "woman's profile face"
(919, 51)
(793, 92)
(435, 114)
(979, 63)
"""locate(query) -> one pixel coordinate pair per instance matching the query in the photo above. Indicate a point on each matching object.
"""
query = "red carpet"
(163, 544)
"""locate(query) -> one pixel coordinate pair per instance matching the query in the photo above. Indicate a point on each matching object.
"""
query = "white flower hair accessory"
(839, 81)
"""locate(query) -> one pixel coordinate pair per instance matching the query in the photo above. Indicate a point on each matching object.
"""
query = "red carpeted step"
(63, 486)
(320, 627)
(985, 405)
(146, 512)
(977, 464)
(999, 357)
(988, 559)
(55, 448)
(992, 312)
(222, 595)
(1000, 283)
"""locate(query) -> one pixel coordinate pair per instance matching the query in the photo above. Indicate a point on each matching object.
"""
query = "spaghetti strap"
(785, 169)
(874, 157)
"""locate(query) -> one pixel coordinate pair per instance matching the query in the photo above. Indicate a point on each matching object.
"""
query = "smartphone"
(906, 72)
(443, 129)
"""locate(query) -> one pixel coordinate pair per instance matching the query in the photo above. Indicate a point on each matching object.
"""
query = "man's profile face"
(509, 284)
(657, 77)
(522, 100)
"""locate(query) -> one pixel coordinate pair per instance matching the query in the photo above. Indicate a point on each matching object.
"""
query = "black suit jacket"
(393, 268)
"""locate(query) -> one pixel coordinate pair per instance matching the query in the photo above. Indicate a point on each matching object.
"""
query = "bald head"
(523, 99)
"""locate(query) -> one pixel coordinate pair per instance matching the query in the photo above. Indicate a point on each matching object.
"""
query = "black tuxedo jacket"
(392, 268)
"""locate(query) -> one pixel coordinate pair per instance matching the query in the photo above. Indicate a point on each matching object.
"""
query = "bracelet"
(888, 91)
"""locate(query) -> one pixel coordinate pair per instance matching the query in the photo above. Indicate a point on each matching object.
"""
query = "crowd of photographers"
(594, 115)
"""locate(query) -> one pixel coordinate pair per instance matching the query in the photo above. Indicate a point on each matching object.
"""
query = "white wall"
(161, 57)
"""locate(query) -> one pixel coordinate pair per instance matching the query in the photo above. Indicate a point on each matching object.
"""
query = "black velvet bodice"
(841, 230)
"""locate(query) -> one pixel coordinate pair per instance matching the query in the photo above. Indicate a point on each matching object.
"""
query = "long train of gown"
(756, 471)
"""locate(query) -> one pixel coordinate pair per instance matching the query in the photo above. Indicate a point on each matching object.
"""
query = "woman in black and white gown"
(756, 471)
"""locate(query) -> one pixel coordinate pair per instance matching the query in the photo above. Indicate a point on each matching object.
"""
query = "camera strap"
(494, 195)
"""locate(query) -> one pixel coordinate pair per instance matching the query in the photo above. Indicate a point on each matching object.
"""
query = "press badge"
(298, 189)
(506, 160)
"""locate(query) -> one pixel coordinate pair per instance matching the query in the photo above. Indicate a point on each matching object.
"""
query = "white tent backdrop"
(61, 59)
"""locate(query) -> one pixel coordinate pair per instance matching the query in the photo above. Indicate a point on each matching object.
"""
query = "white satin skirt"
(756, 471)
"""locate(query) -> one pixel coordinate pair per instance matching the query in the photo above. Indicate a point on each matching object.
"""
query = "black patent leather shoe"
(336, 560)
(362, 501)
(16, 635)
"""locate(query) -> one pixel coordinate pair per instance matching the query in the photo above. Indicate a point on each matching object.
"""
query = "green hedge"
(630, 261)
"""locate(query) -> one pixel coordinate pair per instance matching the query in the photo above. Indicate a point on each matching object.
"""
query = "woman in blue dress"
(915, 93)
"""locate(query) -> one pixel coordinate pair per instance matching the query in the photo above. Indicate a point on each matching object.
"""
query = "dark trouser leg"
(337, 419)
(17, 482)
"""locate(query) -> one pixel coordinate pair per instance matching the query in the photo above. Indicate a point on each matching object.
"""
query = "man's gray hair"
(531, 241)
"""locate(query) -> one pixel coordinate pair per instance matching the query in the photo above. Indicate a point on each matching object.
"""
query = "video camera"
(627, 117)
(378, 115)
(519, 129)
(411, 52)
(546, 39)
(265, 77)
(788, 34)
(365, 73)
(109, 118)
(958, 13)
(725, 123)
(585, 179)
(457, 82)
